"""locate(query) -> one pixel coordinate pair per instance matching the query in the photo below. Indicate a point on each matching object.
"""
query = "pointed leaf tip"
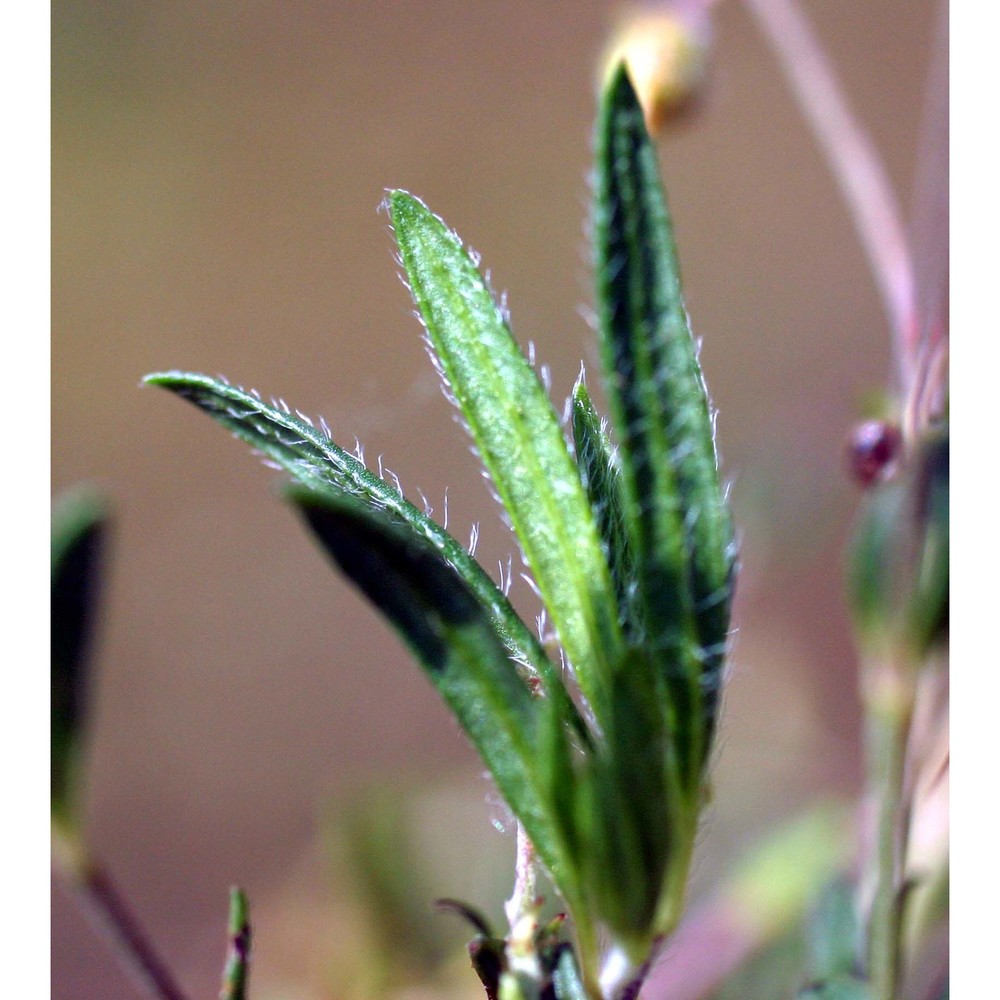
(674, 506)
(310, 456)
(619, 84)
(237, 970)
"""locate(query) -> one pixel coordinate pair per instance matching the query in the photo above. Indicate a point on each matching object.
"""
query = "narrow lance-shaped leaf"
(79, 529)
(518, 437)
(313, 459)
(678, 519)
(601, 479)
(442, 621)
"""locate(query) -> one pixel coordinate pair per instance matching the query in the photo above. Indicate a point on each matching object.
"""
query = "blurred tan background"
(217, 170)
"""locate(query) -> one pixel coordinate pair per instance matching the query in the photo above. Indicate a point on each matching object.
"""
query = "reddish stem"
(856, 166)
(112, 913)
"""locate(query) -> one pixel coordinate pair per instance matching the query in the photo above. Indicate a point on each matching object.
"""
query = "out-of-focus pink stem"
(855, 164)
(706, 948)
(112, 913)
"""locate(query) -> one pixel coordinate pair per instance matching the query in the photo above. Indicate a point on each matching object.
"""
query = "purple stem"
(855, 164)
(111, 912)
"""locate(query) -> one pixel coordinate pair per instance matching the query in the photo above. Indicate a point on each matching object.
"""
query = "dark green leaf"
(445, 625)
(518, 437)
(675, 508)
(313, 459)
(928, 611)
(468, 913)
(600, 475)
(630, 767)
(79, 530)
(489, 962)
(623, 822)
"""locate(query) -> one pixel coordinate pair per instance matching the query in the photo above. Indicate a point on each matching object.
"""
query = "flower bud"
(665, 49)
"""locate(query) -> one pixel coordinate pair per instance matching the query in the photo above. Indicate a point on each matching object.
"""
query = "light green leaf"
(833, 933)
(566, 982)
(877, 563)
(841, 988)
(518, 436)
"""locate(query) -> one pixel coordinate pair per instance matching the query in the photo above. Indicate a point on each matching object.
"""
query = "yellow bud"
(665, 49)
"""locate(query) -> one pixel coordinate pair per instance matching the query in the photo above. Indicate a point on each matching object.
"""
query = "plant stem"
(888, 711)
(523, 897)
(236, 972)
(111, 911)
(631, 989)
(586, 941)
(855, 164)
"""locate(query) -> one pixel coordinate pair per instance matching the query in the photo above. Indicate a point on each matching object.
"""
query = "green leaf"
(928, 611)
(833, 933)
(677, 517)
(769, 972)
(898, 575)
(766, 900)
(625, 818)
(313, 459)
(79, 529)
(877, 562)
(518, 436)
(623, 830)
(776, 882)
(376, 842)
(841, 988)
(566, 981)
(600, 476)
(237, 972)
(444, 623)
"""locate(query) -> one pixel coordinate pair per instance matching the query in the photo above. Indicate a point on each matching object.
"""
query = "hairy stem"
(854, 161)
(525, 890)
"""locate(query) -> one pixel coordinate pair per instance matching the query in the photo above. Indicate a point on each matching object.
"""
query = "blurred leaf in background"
(80, 525)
